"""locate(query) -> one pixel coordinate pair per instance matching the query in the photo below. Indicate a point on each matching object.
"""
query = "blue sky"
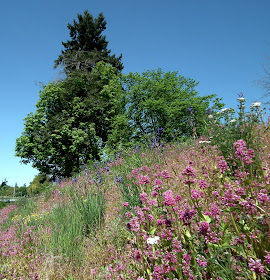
(220, 43)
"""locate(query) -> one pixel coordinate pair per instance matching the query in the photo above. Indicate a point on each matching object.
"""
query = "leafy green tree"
(72, 121)
(87, 45)
(3, 185)
(155, 103)
(21, 191)
(5, 189)
(38, 185)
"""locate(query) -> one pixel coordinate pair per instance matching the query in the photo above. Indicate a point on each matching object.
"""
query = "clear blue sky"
(220, 43)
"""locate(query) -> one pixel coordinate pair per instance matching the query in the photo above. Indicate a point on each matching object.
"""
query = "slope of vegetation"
(196, 210)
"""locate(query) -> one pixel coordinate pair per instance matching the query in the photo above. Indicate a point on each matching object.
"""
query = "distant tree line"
(38, 185)
(95, 106)
(7, 190)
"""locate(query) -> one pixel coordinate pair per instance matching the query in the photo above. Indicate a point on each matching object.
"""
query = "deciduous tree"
(72, 121)
(157, 102)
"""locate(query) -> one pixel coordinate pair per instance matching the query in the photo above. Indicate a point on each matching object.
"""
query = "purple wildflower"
(189, 171)
(222, 165)
(144, 180)
(196, 194)
(267, 258)
(143, 197)
(165, 174)
(204, 228)
(256, 266)
(168, 198)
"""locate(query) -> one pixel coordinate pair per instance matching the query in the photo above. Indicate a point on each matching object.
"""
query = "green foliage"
(3, 204)
(39, 184)
(21, 191)
(156, 99)
(67, 234)
(6, 190)
(87, 45)
(91, 209)
(72, 222)
(73, 116)
(72, 120)
(228, 126)
(25, 207)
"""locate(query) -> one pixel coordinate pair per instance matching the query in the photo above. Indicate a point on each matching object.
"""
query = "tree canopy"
(154, 100)
(96, 105)
(87, 45)
(39, 184)
(72, 120)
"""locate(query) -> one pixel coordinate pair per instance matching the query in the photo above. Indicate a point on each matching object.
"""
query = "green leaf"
(207, 219)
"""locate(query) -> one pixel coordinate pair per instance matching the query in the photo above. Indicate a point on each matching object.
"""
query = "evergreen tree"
(87, 45)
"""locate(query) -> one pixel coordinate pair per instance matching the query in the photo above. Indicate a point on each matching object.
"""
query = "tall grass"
(178, 211)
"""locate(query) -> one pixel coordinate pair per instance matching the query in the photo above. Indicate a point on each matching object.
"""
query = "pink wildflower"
(168, 198)
(154, 193)
(152, 202)
(133, 225)
(189, 171)
(202, 262)
(203, 184)
(128, 215)
(262, 197)
(215, 210)
(267, 258)
(150, 218)
(196, 194)
(144, 197)
(144, 180)
(165, 174)
(158, 182)
(204, 228)
(222, 165)
(256, 266)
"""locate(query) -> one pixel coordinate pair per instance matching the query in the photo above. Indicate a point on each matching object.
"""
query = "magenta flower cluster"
(190, 231)
(242, 153)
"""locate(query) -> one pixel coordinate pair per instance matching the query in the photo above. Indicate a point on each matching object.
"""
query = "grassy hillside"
(179, 211)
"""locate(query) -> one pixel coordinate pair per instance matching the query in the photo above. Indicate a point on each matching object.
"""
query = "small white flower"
(201, 142)
(153, 240)
(233, 121)
(256, 104)
(241, 99)
(210, 116)
(224, 110)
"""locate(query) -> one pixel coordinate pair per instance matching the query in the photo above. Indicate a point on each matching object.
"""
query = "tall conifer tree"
(87, 45)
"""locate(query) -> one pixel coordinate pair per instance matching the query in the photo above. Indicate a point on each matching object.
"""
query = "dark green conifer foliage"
(87, 45)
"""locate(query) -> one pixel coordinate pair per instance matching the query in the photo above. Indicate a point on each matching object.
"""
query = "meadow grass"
(199, 210)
